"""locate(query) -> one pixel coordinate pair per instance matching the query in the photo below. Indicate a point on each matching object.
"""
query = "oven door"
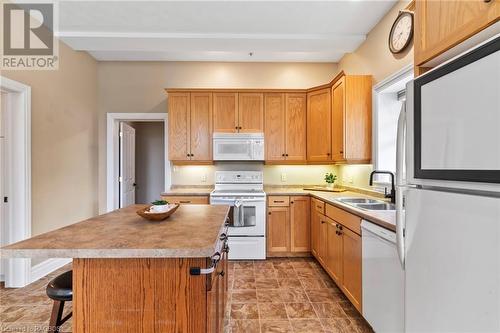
(232, 150)
(248, 216)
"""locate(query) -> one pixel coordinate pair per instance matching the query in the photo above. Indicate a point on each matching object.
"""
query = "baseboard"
(46, 267)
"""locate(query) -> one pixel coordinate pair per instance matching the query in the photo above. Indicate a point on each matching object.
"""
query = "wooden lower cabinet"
(334, 251)
(351, 263)
(288, 226)
(278, 230)
(184, 199)
(338, 248)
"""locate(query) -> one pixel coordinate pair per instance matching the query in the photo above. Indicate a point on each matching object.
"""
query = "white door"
(3, 106)
(127, 165)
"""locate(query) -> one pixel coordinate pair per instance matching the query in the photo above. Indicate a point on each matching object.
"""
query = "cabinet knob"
(286, 155)
(327, 154)
(283, 155)
(187, 155)
(341, 151)
(269, 213)
(235, 127)
(291, 202)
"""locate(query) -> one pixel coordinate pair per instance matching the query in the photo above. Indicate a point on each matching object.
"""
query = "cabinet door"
(201, 126)
(178, 126)
(295, 127)
(300, 224)
(319, 125)
(225, 111)
(212, 306)
(441, 24)
(221, 310)
(338, 109)
(315, 222)
(274, 126)
(251, 112)
(278, 229)
(323, 238)
(352, 266)
(334, 248)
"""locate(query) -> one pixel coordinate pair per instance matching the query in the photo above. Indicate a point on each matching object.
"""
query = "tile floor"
(276, 295)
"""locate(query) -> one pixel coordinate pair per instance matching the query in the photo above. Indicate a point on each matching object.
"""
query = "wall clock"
(401, 32)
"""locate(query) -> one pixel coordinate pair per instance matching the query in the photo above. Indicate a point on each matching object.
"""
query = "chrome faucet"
(391, 195)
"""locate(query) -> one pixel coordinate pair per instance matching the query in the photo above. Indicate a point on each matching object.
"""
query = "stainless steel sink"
(358, 201)
(376, 206)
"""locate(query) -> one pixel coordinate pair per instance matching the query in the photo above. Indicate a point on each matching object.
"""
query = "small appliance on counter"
(244, 192)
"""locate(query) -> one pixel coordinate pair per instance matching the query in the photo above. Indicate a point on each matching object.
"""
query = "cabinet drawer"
(349, 220)
(318, 206)
(279, 201)
(186, 199)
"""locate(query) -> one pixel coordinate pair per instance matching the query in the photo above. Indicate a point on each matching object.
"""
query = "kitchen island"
(133, 275)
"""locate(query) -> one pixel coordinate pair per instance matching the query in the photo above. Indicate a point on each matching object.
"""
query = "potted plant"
(330, 179)
(159, 206)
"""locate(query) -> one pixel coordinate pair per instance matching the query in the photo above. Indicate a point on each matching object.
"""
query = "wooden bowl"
(156, 216)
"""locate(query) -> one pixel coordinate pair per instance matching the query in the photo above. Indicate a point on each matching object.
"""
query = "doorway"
(138, 169)
(15, 176)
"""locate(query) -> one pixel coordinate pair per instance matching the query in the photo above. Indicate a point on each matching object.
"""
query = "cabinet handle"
(223, 236)
(323, 222)
(278, 201)
(222, 273)
(184, 201)
(319, 207)
(341, 151)
(487, 1)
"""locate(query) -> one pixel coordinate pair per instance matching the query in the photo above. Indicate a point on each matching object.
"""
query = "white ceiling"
(305, 31)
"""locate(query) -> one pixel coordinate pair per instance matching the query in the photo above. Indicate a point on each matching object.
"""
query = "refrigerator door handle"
(400, 185)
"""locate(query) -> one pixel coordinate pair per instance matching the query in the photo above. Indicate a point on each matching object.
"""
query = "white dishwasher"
(383, 280)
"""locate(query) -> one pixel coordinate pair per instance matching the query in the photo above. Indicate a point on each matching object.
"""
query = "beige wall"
(64, 140)
(139, 87)
(373, 57)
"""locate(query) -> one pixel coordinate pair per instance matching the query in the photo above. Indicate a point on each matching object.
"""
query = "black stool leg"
(55, 317)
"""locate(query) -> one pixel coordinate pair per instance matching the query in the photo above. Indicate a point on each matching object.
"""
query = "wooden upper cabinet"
(201, 126)
(285, 127)
(442, 24)
(338, 109)
(178, 128)
(352, 119)
(319, 126)
(295, 127)
(251, 112)
(351, 266)
(300, 224)
(225, 112)
(274, 126)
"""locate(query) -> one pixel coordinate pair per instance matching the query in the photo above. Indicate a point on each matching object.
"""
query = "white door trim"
(18, 182)
(112, 152)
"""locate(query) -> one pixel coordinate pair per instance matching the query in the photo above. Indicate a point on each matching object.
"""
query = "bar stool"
(60, 289)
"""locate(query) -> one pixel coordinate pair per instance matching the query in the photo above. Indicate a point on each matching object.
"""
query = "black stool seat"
(61, 287)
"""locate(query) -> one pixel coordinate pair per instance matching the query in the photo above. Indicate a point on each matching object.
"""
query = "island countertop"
(191, 232)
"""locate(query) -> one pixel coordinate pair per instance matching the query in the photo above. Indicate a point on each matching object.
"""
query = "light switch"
(204, 178)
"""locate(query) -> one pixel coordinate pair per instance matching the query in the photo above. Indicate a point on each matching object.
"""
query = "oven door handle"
(243, 201)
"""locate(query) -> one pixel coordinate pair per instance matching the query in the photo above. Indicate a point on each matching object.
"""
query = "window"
(389, 97)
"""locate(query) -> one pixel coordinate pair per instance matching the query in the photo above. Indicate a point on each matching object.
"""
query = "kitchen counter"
(385, 219)
(191, 232)
(189, 191)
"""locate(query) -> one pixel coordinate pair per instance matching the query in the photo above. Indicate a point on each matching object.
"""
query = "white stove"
(244, 192)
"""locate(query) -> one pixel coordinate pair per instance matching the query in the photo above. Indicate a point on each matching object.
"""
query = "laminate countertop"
(191, 232)
(385, 219)
(189, 191)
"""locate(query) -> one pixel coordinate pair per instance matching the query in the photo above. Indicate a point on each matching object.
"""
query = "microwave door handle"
(241, 216)
(400, 185)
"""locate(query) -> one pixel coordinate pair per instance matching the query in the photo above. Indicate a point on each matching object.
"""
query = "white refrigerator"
(448, 195)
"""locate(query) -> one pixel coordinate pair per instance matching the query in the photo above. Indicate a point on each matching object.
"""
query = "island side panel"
(138, 295)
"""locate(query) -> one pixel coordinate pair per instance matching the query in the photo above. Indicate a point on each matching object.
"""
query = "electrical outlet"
(350, 180)
(175, 168)
(283, 177)
(204, 178)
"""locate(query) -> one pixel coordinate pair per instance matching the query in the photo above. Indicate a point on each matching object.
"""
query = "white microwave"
(238, 146)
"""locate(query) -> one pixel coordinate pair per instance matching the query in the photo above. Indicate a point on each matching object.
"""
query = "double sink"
(368, 204)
